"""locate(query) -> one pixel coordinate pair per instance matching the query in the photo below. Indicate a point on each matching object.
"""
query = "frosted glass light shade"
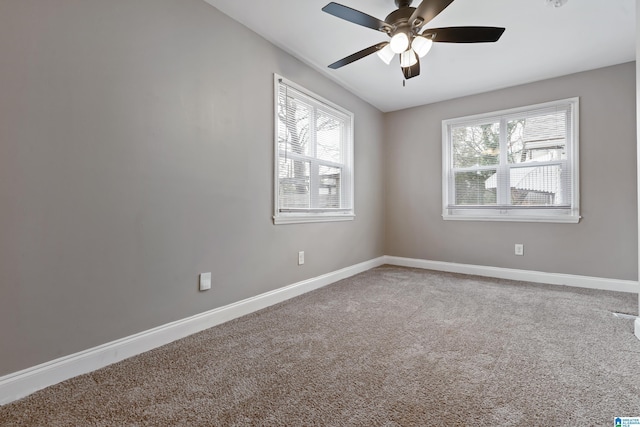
(408, 58)
(399, 42)
(421, 45)
(386, 54)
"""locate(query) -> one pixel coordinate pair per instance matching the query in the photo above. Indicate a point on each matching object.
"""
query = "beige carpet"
(391, 346)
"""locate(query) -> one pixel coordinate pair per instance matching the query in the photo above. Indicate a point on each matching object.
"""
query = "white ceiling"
(540, 42)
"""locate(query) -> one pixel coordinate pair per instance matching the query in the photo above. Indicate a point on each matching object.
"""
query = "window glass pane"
(475, 188)
(293, 126)
(293, 176)
(538, 186)
(329, 188)
(329, 137)
(477, 145)
(538, 138)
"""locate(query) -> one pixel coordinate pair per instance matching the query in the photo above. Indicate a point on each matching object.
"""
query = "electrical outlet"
(205, 281)
(519, 249)
(300, 257)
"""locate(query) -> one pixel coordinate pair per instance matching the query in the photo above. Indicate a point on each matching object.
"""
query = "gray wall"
(637, 323)
(136, 151)
(603, 244)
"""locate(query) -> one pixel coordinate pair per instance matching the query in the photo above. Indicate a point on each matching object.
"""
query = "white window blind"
(514, 165)
(314, 157)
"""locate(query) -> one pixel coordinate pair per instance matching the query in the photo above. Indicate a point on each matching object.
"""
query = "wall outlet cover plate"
(205, 281)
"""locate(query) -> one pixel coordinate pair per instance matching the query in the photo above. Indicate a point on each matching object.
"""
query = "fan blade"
(358, 55)
(427, 10)
(355, 16)
(464, 34)
(412, 71)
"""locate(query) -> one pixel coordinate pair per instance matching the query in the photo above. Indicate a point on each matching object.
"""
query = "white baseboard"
(20, 384)
(523, 275)
(637, 327)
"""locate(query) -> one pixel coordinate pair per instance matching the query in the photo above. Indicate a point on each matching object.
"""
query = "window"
(313, 157)
(513, 165)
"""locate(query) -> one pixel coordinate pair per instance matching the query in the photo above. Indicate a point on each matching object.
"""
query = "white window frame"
(314, 214)
(506, 212)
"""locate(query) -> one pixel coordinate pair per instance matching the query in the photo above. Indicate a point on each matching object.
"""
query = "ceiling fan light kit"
(408, 38)
(408, 58)
(386, 54)
(399, 42)
(421, 45)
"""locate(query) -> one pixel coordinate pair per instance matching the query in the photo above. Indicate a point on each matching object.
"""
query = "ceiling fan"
(405, 27)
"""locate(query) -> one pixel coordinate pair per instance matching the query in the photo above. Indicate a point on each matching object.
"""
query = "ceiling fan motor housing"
(399, 22)
(400, 16)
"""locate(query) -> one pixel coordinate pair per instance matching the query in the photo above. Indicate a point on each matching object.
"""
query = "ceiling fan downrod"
(403, 3)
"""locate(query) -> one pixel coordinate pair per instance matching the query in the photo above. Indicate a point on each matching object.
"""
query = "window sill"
(566, 219)
(301, 219)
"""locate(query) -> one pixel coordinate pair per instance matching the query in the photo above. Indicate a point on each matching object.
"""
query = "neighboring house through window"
(313, 157)
(513, 165)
